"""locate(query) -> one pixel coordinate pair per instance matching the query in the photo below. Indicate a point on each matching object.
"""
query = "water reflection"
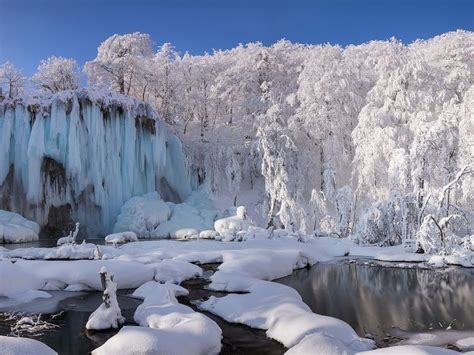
(71, 337)
(373, 299)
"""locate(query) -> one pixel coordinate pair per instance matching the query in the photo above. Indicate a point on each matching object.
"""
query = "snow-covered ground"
(16, 229)
(246, 270)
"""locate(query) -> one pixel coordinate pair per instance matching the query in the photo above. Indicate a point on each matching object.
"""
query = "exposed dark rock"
(60, 222)
(56, 173)
(146, 123)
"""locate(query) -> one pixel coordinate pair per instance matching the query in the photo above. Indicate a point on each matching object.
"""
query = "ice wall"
(80, 155)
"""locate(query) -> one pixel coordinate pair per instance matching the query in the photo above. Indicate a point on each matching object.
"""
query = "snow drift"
(80, 155)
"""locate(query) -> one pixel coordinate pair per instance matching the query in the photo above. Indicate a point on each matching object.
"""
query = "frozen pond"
(373, 299)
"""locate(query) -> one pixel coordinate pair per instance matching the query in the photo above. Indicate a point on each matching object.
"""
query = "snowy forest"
(372, 141)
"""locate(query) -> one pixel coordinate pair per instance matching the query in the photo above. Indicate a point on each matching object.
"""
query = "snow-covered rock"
(142, 214)
(121, 237)
(150, 217)
(233, 224)
(86, 154)
(172, 328)
(17, 229)
(23, 346)
(208, 234)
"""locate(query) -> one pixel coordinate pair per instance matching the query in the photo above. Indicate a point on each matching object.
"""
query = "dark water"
(236, 338)
(369, 297)
(374, 298)
(72, 337)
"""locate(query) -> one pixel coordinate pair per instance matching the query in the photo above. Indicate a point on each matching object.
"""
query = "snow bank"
(273, 307)
(233, 224)
(121, 237)
(85, 155)
(150, 217)
(23, 346)
(18, 284)
(176, 271)
(172, 327)
(81, 274)
(142, 214)
(17, 229)
(319, 344)
(411, 350)
(280, 311)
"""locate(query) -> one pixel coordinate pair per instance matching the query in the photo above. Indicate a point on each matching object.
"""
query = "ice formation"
(81, 155)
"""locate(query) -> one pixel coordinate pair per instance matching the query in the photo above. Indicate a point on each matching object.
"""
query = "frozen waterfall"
(81, 155)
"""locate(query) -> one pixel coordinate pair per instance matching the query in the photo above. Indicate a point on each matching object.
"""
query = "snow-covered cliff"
(81, 155)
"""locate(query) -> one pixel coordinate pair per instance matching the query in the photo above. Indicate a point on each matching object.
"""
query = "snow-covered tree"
(121, 61)
(57, 74)
(11, 80)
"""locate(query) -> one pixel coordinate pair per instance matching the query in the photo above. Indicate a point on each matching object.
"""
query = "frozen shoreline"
(246, 266)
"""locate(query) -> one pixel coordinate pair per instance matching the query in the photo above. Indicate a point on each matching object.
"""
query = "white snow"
(73, 275)
(150, 217)
(17, 229)
(23, 346)
(108, 315)
(121, 237)
(19, 284)
(233, 224)
(410, 350)
(174, 328)
(176, 271)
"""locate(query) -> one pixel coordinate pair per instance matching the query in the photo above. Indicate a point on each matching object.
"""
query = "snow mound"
(167, 327)
(121, 237)
(78, 275)
(17, 229)
(409, 349)
(23, 346)
(233, 224)
(176, 271)
(319, 344)
(150, 217)
(142, 214)
(19, 284)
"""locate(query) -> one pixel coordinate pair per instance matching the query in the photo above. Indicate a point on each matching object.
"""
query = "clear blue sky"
(31, 30)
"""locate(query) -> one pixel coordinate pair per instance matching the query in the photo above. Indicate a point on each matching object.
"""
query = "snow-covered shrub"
(388, 223)
(437, 237)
